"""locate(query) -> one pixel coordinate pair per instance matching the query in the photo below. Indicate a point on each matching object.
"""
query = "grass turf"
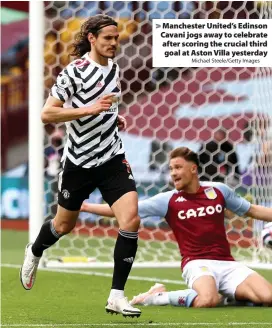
(77, 300)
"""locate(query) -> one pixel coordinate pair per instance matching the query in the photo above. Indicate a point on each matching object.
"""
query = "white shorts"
(227, 274)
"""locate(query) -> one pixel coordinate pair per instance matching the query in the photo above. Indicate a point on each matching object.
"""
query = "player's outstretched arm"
(99, 209)
(260, 212)
(242, 207)
(154, 206)
(53, 112)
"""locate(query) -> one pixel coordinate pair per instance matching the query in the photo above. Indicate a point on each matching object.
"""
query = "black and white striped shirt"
(94, 139)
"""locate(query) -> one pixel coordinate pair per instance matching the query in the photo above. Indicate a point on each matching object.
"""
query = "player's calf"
(206, 301)
(255, 289)
(157, 295)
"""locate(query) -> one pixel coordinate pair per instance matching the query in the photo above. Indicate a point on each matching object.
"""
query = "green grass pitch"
(76, 298)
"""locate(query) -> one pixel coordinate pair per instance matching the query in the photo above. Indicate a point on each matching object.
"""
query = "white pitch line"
(100, 274)
(146, 324)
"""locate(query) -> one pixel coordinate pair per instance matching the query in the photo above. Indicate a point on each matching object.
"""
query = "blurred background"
(223, 113)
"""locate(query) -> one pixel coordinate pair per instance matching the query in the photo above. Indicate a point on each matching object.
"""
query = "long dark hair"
(93, 25)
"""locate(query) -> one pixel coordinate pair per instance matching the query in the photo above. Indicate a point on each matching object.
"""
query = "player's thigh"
(200, 276)
(205, 286)
(125, 210)
(255, 288)
(74, 186)
(118, 189)
(115, 179)
(207, 291)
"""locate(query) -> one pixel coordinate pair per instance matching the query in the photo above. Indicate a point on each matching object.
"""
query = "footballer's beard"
(108, 56)
(105, 55)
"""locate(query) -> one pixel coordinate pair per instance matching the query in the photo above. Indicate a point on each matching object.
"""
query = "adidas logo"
(180, 199)
(129, 259)
(130, 177)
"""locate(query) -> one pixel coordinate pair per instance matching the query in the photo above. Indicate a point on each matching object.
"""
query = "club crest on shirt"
(210, 193)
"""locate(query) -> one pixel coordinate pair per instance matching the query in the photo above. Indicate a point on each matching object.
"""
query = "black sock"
(46, 238)
(124, 255)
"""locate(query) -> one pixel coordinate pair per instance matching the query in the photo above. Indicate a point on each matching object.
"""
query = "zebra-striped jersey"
(94, 139)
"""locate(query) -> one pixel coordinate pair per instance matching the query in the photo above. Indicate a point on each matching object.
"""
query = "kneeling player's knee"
(206, 301)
